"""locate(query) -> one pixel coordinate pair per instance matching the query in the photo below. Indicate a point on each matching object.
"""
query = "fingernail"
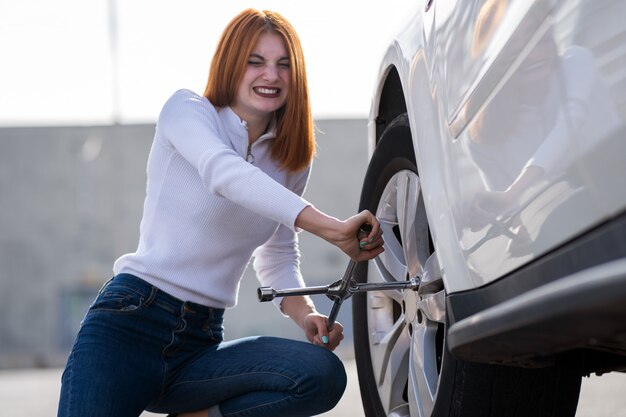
(325, 340)
(361, 244)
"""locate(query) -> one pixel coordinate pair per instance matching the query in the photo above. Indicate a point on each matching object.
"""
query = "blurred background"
(81, 87)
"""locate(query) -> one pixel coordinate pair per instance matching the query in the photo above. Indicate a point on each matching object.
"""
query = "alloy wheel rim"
(403, 325)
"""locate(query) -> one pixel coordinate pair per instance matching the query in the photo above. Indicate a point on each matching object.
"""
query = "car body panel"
(510, 126)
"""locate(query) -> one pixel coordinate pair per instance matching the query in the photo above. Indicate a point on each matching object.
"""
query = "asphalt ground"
(34, 393)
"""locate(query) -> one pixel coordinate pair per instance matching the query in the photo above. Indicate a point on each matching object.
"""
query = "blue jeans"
(140, 348)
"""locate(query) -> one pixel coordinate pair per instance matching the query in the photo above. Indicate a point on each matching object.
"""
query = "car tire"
(403, 364)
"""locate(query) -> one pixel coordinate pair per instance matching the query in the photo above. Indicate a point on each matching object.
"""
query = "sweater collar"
(270, 133)
(238, 131)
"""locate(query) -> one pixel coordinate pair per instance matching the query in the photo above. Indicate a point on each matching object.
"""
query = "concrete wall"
(70, 204)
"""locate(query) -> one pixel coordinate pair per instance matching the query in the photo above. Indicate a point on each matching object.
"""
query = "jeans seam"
(297, 387)
(151, 297)
(182, 324)
(104, 285)
(138, 291)
(68, 404)
(255, 407)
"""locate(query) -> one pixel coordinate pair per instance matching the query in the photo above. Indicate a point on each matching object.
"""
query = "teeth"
(267, 90)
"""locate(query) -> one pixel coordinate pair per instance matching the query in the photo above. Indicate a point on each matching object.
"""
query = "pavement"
(34, 393)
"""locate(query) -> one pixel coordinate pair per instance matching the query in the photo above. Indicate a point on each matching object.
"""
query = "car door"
(524, 104)
(466, 56)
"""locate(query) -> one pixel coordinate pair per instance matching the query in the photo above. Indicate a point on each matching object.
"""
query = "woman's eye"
(284, 65)
(255, 63)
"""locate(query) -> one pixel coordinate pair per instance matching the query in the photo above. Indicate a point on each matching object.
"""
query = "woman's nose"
(270, 73)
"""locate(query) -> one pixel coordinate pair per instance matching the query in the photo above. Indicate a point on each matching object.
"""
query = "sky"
(58, 66)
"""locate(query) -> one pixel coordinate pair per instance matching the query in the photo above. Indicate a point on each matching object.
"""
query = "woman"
(225, 176)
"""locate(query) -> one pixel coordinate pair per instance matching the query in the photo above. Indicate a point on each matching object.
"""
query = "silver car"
(498, 145)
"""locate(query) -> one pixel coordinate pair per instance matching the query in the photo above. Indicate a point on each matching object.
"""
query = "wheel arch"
(391, 101)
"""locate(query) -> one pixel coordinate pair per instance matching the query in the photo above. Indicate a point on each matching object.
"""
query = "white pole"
(113, 46)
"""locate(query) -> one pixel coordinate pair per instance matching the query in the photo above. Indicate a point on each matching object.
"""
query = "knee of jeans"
(330, 377)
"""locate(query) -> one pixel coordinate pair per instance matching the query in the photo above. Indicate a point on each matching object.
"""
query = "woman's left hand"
(314, 325)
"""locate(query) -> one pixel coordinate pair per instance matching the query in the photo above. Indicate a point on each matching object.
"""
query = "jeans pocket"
(118, 299)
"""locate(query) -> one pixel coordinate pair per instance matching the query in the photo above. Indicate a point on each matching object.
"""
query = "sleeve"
(189, 124)
(277, 262)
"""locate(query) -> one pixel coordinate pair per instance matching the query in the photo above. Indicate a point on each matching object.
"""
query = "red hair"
(294, 145)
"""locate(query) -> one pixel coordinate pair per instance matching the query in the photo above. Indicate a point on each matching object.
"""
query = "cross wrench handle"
(412, 284)
(269, 293)
(332, 317)
(337, 291)
(346, 281)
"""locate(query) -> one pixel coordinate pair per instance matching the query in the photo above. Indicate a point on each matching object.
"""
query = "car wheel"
(403, 364)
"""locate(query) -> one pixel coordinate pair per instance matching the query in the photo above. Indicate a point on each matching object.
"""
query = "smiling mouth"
(267, 92)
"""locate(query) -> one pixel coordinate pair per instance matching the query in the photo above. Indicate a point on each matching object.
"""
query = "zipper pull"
(249, 156)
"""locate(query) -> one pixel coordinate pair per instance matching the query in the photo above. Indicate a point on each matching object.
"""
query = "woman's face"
(265, 83)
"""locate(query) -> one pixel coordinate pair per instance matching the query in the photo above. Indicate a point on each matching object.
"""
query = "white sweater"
(207, 209)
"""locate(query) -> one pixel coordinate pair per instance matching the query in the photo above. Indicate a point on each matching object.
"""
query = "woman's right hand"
(343, 233)
(366, 247)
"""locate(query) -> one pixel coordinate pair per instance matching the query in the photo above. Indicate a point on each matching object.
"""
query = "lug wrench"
(339, 290)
